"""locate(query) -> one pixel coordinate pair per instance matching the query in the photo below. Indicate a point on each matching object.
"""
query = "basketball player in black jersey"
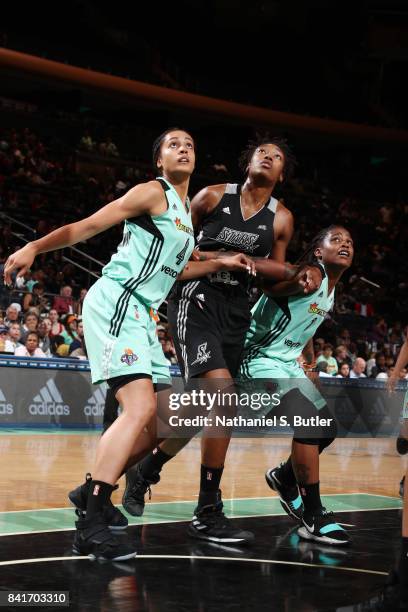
(209, 317)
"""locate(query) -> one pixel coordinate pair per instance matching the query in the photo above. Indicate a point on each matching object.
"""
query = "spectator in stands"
(58, 347)
(341, 355)
(44, 328)
(358, 368)
(56, 327)
(36, 299)
(13, 314)
(344, 371)
(31, 320)
(77, 346)
(379, 332)
(86, 143)
(5, 345)
(64, 302)
(31, 348)
(321, 368)
(80, 302)
(15, 335)
(380, 366)
(327, 356)
(108, 148)
(70, 333)
(344, 338)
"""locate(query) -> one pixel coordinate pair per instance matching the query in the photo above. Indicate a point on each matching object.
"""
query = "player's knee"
(325, 434)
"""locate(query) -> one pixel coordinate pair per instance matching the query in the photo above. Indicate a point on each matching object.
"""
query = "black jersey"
(226, 229)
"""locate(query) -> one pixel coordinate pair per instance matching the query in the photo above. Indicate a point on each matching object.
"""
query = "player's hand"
(21, 261)
(390, 384)
(309, 279)
(196, 256)
(238, 263)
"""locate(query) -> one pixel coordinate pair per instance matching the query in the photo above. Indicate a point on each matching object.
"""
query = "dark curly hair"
(308, 256)
(261, 139)
(158, 143)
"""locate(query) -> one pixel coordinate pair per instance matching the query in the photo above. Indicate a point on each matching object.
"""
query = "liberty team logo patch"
(314, 309)
(202, 354)
(184, 228)
(129, 357)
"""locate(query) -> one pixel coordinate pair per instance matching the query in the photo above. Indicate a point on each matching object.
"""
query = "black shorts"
(209, 326)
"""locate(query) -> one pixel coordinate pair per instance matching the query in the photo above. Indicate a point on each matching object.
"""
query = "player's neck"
(333, 276)
(256, 192)
(180, 184)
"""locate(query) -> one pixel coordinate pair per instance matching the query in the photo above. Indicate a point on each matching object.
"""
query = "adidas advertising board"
(5, 406)
(49, 401)
(96, 403)
(35, 397)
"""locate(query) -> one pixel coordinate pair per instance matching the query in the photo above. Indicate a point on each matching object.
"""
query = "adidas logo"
(49, 402)
(262, 227)
(96, 403)
(200, 296)
(226, 210)
(174, 206)
(5, 408)
(320, 294)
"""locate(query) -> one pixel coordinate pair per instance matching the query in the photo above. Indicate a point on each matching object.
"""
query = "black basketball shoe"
(289, 497)
(210, 523)
(114, 517)
(137, 486)
(94, 539)
(322, 527)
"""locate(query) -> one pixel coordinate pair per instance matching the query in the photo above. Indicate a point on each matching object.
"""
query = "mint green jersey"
(281, 327)
(153, 251)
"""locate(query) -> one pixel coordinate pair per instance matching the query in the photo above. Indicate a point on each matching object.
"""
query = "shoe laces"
(141, 488)
(215, 516)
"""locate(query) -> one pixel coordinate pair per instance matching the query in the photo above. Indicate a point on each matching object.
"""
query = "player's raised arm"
(144, 198)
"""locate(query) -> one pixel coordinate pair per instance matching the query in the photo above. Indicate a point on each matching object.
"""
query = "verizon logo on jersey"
(244, 240)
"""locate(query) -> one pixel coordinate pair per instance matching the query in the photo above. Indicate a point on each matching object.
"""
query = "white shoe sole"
(306, 535)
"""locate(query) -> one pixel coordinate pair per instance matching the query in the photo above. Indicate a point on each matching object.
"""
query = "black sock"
(153, 463)
(286, 474)
(403, 564)
(210, 479)
(311, 496)
(99, 496)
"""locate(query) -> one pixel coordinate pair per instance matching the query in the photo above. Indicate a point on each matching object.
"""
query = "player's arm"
(307, 280)
(202, 205)
(401, 363)
(237, 263)
(144, 198)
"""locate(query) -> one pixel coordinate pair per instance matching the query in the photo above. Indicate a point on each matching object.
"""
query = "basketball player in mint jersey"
(120, 334)
(283, 322)
(402, 573)
(210, 317)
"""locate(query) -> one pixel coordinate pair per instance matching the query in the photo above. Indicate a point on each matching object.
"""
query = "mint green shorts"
(285, 375)
(120, 335)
